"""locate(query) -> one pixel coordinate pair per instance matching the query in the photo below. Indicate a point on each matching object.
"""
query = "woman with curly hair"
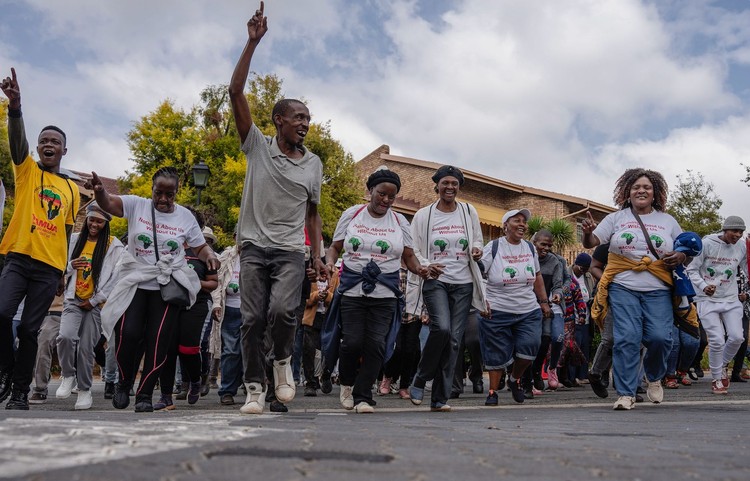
(636, 284)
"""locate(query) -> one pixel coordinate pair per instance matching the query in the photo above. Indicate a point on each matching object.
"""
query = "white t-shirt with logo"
(365, 237)
(511, 276)
(625, 237)
(448, 245)
(233, 288)
(174, 229)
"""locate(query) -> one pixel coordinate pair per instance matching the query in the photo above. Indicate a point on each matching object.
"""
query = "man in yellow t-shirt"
(35, 245)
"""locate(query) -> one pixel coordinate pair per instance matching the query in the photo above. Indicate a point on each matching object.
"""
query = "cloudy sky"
(557, 95)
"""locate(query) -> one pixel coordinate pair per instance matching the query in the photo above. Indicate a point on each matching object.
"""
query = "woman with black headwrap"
(374, 240)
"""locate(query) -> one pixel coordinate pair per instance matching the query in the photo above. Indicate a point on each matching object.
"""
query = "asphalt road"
(569, 434)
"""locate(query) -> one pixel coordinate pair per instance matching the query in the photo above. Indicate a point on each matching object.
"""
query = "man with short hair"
(35, 245)
(279, 199)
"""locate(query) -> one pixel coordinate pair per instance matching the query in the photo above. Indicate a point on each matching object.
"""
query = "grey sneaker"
(655, 392)
(624, 403)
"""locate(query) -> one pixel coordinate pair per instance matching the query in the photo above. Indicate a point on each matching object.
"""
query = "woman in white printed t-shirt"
(374, 240)
(511, 332)
(448, 238)
(136, 301)
(640, 302)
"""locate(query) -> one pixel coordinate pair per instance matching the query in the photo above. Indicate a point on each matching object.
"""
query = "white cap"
(511, 213)
(208, 234)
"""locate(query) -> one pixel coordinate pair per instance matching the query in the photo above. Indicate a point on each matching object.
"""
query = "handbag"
(172, 292)
(680, 317)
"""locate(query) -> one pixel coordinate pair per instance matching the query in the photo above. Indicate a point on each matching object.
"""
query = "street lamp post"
(201, 173)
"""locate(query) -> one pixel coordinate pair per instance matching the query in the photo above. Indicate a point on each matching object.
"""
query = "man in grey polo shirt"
(280, 198)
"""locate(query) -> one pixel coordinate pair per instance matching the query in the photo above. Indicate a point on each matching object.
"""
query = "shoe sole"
(37, 402)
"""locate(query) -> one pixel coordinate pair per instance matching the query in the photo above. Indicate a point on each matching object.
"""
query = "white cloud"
(559, 95)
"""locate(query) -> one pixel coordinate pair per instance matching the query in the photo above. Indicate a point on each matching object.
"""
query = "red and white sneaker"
(717, 387)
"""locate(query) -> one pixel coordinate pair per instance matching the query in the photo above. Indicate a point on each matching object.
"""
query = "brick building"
(492, 197)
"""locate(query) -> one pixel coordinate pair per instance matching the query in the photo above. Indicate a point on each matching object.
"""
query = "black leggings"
(185, 341)
(739, 358)
(310, 344)
(148, 320)
(405, 358)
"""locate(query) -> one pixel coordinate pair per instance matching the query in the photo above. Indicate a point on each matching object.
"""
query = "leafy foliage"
(695, 205)
(563, 232)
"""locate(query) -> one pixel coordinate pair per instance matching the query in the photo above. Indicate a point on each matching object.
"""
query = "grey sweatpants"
(80, 330)
(46, 343)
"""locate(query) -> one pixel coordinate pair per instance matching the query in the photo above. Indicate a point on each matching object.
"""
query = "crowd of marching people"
(391, 307)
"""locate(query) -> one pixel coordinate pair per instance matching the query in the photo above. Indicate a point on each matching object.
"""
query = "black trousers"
(150, 322)
(365, 322)
(739, 358)
(22, 277)
(402, 364)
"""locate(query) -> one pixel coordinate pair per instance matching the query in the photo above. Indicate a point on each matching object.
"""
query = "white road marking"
(35, 445)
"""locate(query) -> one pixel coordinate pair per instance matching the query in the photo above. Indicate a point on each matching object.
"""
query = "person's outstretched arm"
(256, 28)
(108, 202)
(19, 146)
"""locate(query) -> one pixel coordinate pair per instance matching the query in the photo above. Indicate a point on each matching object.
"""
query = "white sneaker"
(75, 388)
(256, 398)
(66, 387)
(364, 408)
(84, 400)
(624, 403)
(655, 392)
(283, 380)
(346, 398)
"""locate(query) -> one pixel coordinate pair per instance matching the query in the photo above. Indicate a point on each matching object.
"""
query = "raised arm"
(256, 28)
(19, 146)
(108, 202)
(587, 226)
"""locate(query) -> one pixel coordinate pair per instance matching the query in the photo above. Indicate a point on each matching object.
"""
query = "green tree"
(695, 205)
(563, 232)
(6, 170)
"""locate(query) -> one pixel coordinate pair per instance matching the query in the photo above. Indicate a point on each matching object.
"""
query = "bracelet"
(543, 301)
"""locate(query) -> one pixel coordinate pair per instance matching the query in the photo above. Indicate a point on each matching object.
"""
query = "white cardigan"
(132, 273)
(107, 276)
(421, 225)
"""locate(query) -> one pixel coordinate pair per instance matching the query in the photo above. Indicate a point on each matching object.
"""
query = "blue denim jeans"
(639, 318)
(684, 348)
(231, 352)
(556, 332)
(448, 305)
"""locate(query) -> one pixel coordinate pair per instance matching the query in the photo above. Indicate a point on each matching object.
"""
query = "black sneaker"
(491, 399)
(638, 398)
(143, 404)
(310, 390)
(516, 390)
(595, 381)
(454, 395)
(699, 372)
(109, 390)
(692, 374)
(121, 398)
(5, 385)
(227, 400)
(326, 386)
(194, 392)
(205, 386)
(19, 400)
(278, 407)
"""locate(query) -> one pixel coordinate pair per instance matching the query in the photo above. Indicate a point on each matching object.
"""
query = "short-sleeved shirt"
(276, 192)
(449, 246)
(174, 229)
(625, 237)
(45, 204)
(380, 239)
(233, 288)
(511, 276)
(201, 269)
(84, 279)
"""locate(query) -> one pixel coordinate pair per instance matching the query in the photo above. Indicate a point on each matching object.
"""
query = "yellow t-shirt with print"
(84, 278)
(44, 204)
